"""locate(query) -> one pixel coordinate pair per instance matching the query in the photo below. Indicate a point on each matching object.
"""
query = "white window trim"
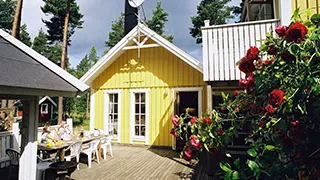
(132, 110)
(106, 110)
(92, 108)
(189, 89)
(46, 111)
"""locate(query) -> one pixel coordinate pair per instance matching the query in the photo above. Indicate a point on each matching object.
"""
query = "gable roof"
(45, 98)
(23, 68)
(117, 51)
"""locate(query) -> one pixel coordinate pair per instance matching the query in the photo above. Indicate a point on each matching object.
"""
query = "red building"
(46, 108)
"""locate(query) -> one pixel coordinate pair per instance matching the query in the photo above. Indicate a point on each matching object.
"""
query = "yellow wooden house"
(140, 84)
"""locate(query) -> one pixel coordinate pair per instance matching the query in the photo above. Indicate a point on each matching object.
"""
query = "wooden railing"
(224, 45)
(6, 141)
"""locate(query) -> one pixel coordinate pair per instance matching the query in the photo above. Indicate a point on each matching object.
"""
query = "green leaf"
(254, 167)
(235, 175)
(228, 154)
(206, 146)
(225, 167)
(269, 147)
(237, 163)
(252, 152)
(268, 124)
(300, 108)
(315, 19)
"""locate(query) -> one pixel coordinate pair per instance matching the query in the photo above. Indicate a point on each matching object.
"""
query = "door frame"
(188, 89)
(106, 111)
(132, 116)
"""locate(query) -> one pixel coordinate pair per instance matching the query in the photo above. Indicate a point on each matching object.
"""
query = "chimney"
(130, 18)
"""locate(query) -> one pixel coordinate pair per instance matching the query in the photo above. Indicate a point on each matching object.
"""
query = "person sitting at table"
(63, 131)
(46, 135)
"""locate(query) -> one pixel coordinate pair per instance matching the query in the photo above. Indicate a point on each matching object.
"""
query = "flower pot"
(209, 162)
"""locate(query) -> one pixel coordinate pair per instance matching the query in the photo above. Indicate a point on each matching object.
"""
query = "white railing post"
(16, 136)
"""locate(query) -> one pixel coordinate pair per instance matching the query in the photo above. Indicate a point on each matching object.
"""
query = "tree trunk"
(17, 20)
(63, 56)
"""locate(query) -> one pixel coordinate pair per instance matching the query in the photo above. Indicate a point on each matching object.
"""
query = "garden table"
(60, 149)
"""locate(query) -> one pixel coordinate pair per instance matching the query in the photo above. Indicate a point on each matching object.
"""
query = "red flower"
(273, 50)
(194, 140)
(215, 150)
(252, 54)
(193, 120)
(296, 32)
(236, 92)
(188, 154)
(206, 120)
(237, 109)
(295, 123)
(243, 83)
(307, 89)
(262, 124)
(281, 30)
(287, 56)
(246, 66)
(250, 82)
(276, 97)
(267, 62)
(175, 121)
(270, 109)
(173, 132)
(252, 108)
(220, 132)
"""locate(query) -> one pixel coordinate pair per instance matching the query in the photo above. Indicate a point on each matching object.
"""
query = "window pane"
(137, 120)
(115, 98)
(115, 108)
(143, 130)
(137, 95)
(143, 108)
(111, 97)
(142, 119)
(136, 132)
(115, 130)
(137, 109)
(143, 97)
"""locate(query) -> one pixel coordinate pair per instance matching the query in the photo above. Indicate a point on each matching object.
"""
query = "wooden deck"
(139, 163)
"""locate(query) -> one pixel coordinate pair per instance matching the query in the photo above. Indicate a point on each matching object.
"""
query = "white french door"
(112, 115)
(139, 115)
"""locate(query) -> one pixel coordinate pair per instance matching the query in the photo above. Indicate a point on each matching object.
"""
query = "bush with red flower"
(279, 100)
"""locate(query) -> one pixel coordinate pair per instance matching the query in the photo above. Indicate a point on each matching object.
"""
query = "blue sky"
(98, 15)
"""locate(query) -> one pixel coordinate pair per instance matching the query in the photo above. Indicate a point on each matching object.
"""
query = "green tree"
(40, 43)
(7, 11)
(25, 36)
(158, 20)
(156, 23)
(55, 25)
(116, 34)
(216, 11)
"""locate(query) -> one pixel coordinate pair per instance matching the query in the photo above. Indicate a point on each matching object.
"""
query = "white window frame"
(106, 112)
(46, 110)
(189, 89)
(132, 115)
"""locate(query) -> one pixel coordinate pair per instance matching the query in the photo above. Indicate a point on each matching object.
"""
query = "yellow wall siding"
(313, 5)
(157, 70)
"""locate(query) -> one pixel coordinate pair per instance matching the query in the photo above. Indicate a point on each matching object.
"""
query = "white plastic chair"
(93, 148)
(105, 142)
(75, 150)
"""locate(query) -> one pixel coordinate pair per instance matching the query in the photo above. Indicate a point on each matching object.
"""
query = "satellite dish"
(135, 3)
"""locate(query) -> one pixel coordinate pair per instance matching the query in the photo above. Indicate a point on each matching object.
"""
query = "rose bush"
(280, 101)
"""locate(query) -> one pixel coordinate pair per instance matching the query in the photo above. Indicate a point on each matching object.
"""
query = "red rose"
(188, 154)
(215, 150)
(281, 30)
(307, 89)
(253, 109)
(272, 50)
(206, 120)
(193, 120)
(194, 140)
(252, 54)
(250, 82)
(295, 123)
(267, 62)
(270, 109)
(173, 132)
(287, 56)
(246, 66)
(175, 121)
(236, 92)
(262, 124)
(220, 132)
(276, 97)
(296, 32)
(237, 109)
(243, 83)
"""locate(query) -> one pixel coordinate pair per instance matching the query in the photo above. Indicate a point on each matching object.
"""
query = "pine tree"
(57, 9)
(25, 36)
(156, 23)
(158, 20)
(216, 11)
(40, 43)
(7, 11)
